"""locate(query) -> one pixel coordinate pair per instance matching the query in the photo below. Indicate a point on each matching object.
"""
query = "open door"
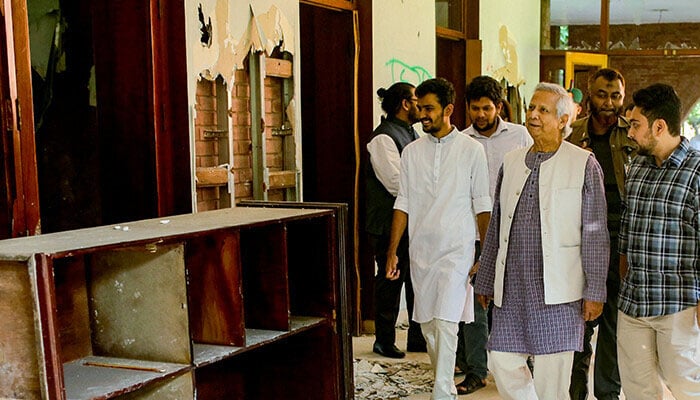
(578, 65)
(19, 194)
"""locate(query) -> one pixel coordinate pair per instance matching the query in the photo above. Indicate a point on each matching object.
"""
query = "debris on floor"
(375, 380)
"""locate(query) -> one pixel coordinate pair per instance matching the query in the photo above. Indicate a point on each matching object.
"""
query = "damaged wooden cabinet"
(240, 303)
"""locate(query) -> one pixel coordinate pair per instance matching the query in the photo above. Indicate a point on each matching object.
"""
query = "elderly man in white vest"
(545, 257)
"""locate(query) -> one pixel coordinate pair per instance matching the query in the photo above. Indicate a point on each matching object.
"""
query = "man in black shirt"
(604, 132)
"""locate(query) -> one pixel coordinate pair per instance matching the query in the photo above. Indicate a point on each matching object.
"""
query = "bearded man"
(604, 132)
(443, 200)
(484, 102)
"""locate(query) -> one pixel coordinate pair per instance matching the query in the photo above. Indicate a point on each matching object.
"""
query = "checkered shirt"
(660, 235)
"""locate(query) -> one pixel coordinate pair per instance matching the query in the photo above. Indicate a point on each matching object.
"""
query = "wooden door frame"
(170, 115)
(348, 5)
(171, 121)
(18, 117)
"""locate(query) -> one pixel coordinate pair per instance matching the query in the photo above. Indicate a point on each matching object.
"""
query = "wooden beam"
(282, 179)
(331, 4)
(27, 216)
(604, 24)
(211, 176)
(472, 19)
(473, 67)
(545, 25)
(278, 68)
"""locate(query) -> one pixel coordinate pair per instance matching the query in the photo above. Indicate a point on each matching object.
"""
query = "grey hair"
(565, 105)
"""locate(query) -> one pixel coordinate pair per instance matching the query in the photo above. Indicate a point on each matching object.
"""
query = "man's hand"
(483, 300)
(392, 271)
(592, 310)
(623, 266)
(474, 270)
(398, 226)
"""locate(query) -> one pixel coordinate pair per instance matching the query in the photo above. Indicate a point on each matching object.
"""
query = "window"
(571, 25)
(449, 14)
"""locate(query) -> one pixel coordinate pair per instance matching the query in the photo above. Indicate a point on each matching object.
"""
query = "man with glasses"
(382, 186)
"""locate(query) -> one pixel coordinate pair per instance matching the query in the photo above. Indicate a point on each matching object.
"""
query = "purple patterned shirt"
(524, 323)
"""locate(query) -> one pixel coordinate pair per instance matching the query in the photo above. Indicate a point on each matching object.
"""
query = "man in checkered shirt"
(658, 334)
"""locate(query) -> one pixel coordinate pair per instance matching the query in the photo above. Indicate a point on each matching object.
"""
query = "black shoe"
(416, 347)
(470, 384)
(390, 351)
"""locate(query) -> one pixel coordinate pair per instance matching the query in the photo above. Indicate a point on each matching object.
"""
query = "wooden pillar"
(545, 31)
(604, 24)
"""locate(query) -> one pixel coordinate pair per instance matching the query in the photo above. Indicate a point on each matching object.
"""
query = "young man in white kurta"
(443, 190)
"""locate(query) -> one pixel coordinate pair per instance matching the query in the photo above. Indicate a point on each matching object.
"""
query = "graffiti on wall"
(403, 72)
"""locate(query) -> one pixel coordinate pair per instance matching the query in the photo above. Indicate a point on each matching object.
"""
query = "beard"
(434, 125)
(413, 116)
(432, 128)
(605, 117)
(643, 151)
(647, 145)
(488, 127)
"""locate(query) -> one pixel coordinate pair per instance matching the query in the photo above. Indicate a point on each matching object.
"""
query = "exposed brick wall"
(242, 142)
(651, 36)
(677, 72)
(274, 116)
(208, 198)
(641, 71)
(206, 150)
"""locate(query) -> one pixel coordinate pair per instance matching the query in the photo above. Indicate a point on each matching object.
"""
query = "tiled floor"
(362, 349)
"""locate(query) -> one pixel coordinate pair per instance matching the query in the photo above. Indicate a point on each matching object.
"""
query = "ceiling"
(577, 12)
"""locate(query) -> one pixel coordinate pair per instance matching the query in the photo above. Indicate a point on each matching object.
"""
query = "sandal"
(470, 384)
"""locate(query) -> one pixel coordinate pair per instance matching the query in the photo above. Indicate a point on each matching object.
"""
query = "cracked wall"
(221, 35)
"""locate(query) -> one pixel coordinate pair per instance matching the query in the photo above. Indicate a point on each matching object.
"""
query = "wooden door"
(451, 55)
(329, 153)
(142, 110)
(120, 162)
(19, 198)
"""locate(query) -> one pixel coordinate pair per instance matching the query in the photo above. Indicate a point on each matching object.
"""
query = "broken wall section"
(243, 49)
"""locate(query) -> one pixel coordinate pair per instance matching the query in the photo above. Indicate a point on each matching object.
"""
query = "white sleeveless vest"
(560, 192)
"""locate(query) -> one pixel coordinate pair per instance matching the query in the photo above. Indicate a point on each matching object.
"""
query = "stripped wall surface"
(221, 37)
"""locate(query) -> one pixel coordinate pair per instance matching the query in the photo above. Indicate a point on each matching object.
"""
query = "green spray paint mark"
(402, 72)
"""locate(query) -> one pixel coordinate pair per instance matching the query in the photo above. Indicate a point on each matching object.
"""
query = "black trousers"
(387, 294)
(606, 376)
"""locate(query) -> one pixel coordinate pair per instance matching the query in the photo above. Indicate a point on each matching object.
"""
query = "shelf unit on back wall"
(241, 303)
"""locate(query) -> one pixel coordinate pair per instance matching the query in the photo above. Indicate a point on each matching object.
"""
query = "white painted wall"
(403, 49)
(522, 18)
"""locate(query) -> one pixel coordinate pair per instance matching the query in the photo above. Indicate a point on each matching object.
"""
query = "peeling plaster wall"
(522, 18)
(403, 35)
(234, 31)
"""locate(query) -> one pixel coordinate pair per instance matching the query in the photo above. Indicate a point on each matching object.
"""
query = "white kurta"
(443, 184)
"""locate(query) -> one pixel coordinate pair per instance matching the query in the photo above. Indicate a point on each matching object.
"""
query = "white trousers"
(549, 380)
(441, 339)
(653, 348)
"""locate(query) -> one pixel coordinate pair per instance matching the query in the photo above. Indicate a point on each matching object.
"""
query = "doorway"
(327, 98)
(451, 55)
(110, 111)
